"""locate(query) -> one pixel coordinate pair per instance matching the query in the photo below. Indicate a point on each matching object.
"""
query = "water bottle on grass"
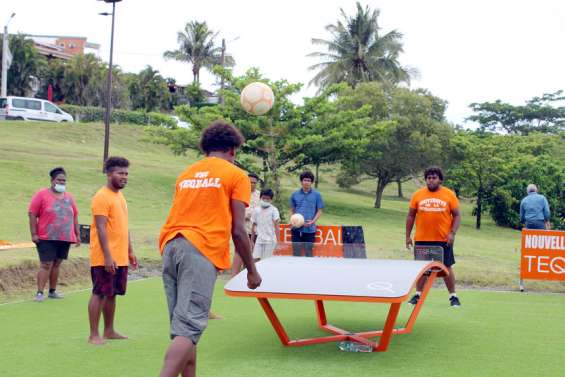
(354, 347)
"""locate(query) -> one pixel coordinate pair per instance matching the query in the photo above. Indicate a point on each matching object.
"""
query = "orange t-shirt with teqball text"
(433, 213)
(111, 205)
(201, 210)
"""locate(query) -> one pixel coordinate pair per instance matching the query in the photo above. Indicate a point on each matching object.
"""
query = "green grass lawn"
(488, 257)
(492, 334)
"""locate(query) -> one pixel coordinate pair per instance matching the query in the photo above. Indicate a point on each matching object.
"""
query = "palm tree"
(197, 47)
(357, 52)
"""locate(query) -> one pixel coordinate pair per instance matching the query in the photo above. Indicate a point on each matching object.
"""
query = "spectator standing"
(53, 223)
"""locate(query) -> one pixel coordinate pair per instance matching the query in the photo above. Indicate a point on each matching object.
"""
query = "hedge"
(96, 114)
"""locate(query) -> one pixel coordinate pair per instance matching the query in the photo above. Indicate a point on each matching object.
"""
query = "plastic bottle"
(354, 347)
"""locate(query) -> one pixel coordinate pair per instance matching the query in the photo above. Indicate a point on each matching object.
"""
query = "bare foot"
(214, 316)
(114, 335)
(96, 340)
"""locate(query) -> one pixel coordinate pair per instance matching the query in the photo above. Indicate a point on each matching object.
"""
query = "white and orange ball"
(296, 220)
(257, 98)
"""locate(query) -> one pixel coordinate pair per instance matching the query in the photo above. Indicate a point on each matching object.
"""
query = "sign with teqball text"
(328, 241)
(543, 255)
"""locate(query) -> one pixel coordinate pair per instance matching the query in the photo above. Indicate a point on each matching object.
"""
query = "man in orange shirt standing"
(208, 208)
(435, 209)
(110, 250)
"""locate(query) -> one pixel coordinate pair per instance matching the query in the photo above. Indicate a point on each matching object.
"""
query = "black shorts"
(448, 257)
(50, 251)
(106, 284)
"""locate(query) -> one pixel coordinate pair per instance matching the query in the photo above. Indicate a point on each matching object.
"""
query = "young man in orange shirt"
(435, 209)
(208, 208)
(110, 250)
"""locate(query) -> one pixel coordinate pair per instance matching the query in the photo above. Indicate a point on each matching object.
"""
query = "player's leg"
(47, 255)
(94, 312)
(296, 240)
(119, 283)
(190, 368)
(308, 239)
(195, 278)
(62, 249)
(449, 261)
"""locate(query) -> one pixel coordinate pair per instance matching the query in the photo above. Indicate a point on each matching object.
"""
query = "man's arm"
(109, 263)
(33, 227)
(456, 214)
(316, 217)
(276, 223)
(77, 230)
(410, 218)
(522, 213)
(242, 244)
(131, 255)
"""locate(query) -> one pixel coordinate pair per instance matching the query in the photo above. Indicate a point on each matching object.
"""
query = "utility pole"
(5, 52)
(222, 63)
(107, 115)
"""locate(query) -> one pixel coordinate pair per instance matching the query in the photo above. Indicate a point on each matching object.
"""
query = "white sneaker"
(39, 297)
(55, 294)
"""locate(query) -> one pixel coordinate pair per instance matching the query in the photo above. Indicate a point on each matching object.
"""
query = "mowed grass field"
(493, 334)
(486, 258)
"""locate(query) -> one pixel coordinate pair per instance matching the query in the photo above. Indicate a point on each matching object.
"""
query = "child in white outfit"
(265, 218)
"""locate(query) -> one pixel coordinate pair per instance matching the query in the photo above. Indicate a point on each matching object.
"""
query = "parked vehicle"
(23, 108)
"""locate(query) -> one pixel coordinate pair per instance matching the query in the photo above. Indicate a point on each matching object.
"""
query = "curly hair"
(115, 162)
(220, 136)
(307, 174)
(56, 171)
(433, 170)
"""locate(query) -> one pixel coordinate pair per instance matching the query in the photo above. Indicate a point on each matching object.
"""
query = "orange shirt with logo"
(111, 205)
(433, 213)
(201, 210)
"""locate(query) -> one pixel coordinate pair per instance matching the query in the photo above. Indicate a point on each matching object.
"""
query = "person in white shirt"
(265, 219)
(237, 264)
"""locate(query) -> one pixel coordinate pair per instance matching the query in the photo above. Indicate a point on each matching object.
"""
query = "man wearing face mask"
(53, 223)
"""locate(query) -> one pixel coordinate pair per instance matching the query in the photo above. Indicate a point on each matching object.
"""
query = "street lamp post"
(5, 49)
(107, 114)
(223, 64)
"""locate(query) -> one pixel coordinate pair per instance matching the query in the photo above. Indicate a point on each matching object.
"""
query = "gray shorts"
(189, 278)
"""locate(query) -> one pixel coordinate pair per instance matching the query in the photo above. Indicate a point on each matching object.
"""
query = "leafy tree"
(27, 65)
(83, 78)
(495, 169)
(326, 135)
(148, 90)
(358, 52)
(196, 45)
(404, 135)
(538, 114)
(548, 175)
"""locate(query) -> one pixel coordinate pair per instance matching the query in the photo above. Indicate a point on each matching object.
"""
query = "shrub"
(96, 114)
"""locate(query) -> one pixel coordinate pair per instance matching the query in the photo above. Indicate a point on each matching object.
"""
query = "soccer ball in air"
(296, 220)
(257, 98)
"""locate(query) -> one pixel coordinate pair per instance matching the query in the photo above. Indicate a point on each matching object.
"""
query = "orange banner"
(328, 241)
(543, 255)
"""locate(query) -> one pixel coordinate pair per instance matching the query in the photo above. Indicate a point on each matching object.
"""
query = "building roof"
(52, 50)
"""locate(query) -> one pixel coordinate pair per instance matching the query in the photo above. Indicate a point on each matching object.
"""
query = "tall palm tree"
(197, 47)
(357, 52)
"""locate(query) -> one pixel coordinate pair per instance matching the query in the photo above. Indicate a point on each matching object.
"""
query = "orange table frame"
(436, 269)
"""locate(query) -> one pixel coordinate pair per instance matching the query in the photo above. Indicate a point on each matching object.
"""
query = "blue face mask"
(264, 204)
(59, 188)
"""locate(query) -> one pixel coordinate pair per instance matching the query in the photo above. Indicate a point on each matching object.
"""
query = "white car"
(23, 108)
